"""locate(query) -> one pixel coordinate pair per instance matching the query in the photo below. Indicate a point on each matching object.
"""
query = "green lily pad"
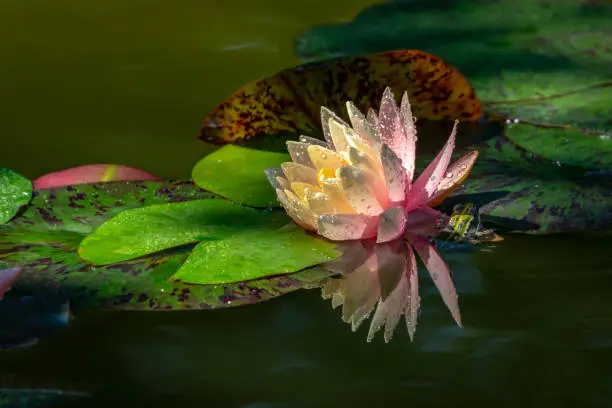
(574, 99)
(45, 238)
(255, 254)
(142, 231)
(15, 192)
(237, 173)
(564, 146)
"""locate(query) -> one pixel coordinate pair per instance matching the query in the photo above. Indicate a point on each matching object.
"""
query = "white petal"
(299, 153)
(333, 127)
(344, 227)
(427, 183)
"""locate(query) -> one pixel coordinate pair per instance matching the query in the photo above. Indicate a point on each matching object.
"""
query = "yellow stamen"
(325, 174)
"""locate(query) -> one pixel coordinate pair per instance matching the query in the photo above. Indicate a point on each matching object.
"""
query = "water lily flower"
(359, 184)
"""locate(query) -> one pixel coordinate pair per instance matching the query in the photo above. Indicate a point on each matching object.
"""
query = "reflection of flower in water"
(384, 276)
(359, 186)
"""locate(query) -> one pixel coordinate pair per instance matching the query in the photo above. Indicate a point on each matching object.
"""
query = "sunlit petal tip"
(323, 158)
(392, 224)
(331, 123)
(345, 227)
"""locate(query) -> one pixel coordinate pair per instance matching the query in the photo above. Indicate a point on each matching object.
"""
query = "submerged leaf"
(237, 173)
(142, 231)
(254, 254)
(291, 100)
(15, 192)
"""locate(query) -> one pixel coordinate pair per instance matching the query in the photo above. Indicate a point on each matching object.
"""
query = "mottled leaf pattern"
(291, 100)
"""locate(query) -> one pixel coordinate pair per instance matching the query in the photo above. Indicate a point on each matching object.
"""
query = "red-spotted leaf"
(92, 173)
(291, 100)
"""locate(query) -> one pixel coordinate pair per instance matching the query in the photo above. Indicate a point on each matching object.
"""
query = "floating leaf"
(142, 231)
(575, 99)
(91, 173)
(254, 254)
(44, 241)
(564, 146)
(554, 61)
(520, 191)
(291, 100)
(84, 207)
(15, 192)
(237, 173)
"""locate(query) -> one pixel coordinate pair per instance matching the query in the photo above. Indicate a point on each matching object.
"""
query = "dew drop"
(449, 175)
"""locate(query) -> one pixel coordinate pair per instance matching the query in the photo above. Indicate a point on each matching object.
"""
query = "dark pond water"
(130, 81)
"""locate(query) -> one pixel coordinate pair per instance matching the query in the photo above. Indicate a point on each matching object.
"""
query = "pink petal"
(426, 185)
(411, 136)
(91, 173)
(456, 174)
(8, 278)
(361, 292)
(392, 224)
(344, 227)
(439, 272)
(395, 175)
(425, 221)
(411, 313)
(391, 127)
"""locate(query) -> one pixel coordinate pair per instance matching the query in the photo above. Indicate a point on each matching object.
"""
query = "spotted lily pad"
(291, 100)
(520, 191)
(15, 192)
(237, 173)
(44, 240)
